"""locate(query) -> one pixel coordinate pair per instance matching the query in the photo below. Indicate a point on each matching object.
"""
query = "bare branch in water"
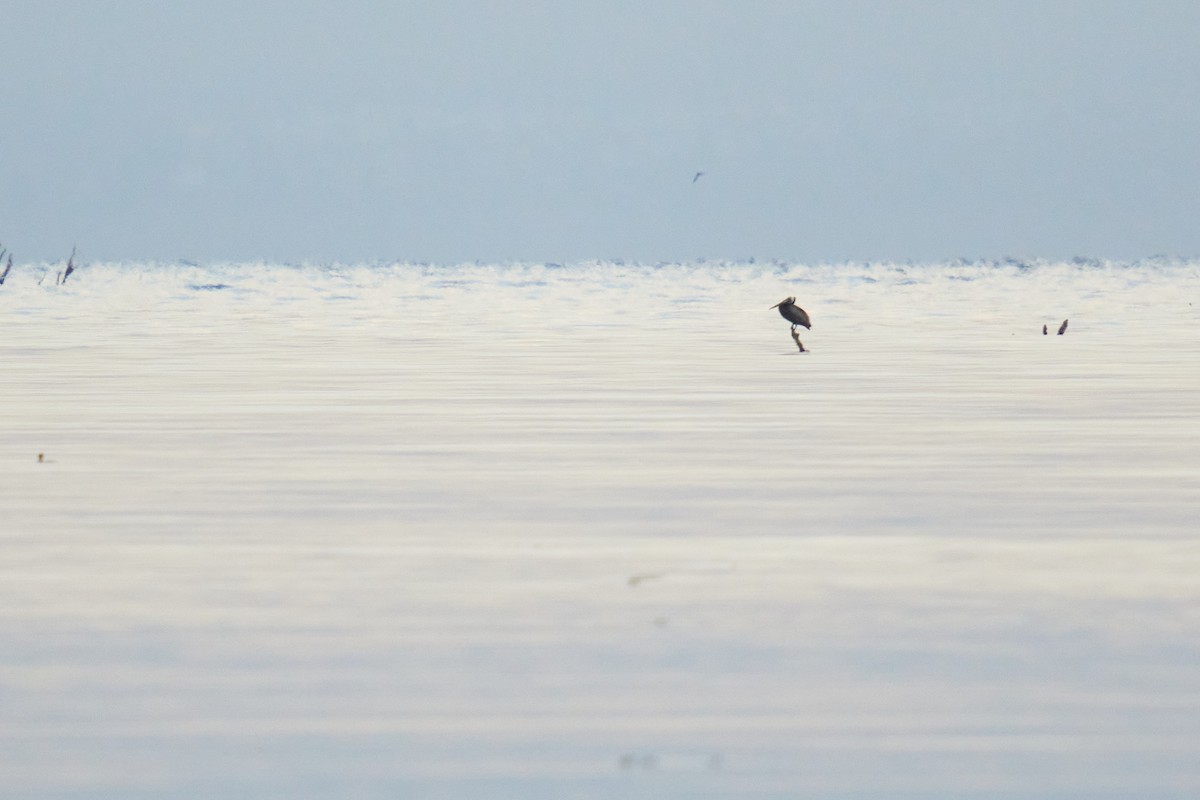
(796, 339)
(8, 269)
(62, 276)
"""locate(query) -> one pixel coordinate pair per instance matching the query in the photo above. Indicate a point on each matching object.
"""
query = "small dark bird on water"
(1062, 328)
(793, 313)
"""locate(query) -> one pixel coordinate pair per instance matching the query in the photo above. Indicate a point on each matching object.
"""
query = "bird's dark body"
(793, 313)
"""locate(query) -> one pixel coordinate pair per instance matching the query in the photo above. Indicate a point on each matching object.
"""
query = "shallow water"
(600, 531)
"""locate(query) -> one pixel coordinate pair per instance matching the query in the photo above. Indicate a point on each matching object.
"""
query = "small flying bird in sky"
(698, 174)
(793, 313)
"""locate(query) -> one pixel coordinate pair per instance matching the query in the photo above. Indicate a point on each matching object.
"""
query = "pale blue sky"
(451, 131)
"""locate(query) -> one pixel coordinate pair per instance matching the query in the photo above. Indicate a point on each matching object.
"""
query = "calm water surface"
(600, 532)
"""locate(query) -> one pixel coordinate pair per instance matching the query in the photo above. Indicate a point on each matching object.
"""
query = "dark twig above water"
(796, 339)
(62, 278)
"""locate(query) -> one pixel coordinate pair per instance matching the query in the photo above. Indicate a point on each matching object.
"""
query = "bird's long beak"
(777, 305)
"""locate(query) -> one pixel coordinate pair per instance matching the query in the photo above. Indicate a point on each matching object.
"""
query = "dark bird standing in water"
(793, 313)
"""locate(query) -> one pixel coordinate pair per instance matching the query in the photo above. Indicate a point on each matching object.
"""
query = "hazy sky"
(455, 131)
